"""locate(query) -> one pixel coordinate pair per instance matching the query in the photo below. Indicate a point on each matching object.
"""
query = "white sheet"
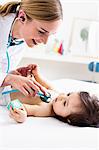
(48, 133)
(70, 85)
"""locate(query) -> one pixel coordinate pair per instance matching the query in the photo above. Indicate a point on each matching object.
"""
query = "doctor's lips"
(34, 42)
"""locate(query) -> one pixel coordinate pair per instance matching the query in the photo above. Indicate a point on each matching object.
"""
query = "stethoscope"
(11, 42)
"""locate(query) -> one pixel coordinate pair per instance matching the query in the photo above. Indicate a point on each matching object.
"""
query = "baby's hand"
(18, 114)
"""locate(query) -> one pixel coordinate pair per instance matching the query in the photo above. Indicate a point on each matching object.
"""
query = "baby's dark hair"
(89, 116)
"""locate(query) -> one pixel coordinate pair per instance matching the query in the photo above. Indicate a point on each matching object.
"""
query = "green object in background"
(14, 104)
(84, 34)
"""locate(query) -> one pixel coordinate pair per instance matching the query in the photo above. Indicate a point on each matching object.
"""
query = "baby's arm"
(41, 110)
(20, 114)
(40, 79)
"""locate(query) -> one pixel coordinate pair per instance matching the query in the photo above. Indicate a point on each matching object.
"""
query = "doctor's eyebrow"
(44, 30)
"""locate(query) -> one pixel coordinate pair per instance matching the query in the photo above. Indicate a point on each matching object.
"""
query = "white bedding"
(49, 133)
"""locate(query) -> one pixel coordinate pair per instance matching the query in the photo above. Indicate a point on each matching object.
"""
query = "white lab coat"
(15, 52)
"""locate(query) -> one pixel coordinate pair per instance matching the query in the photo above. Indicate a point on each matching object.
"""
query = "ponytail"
(35, 9)
(9, 7)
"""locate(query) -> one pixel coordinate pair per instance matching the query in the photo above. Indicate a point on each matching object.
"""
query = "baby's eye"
(68, 94)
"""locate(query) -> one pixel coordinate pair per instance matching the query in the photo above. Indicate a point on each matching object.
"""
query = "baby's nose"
(62, 99)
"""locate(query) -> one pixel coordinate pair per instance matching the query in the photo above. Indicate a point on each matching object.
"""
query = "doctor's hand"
(24, 84)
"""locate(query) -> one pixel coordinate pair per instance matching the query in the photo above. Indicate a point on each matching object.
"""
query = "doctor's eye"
(41, 32)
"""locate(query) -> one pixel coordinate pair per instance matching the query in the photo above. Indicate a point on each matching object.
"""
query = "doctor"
(27, 22)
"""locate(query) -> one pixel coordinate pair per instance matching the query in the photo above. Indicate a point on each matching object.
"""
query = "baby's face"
(66, 104)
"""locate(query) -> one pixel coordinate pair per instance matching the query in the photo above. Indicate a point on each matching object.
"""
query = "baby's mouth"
(55, 100)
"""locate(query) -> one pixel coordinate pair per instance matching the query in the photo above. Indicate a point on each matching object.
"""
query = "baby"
(76, 108)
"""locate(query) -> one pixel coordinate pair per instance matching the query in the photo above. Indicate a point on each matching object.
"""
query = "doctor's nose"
(45, 39)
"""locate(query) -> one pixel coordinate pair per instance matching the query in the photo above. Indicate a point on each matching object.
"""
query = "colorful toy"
(58, 47)
(14, 104)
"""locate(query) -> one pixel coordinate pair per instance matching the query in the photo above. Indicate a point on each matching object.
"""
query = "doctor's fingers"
(29, 88)
(41, 88)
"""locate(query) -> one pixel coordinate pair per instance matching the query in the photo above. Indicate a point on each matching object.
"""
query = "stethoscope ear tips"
(93, 66)
(22, 18)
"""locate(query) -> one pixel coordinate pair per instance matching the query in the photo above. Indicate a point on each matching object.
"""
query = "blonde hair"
(46, 10)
